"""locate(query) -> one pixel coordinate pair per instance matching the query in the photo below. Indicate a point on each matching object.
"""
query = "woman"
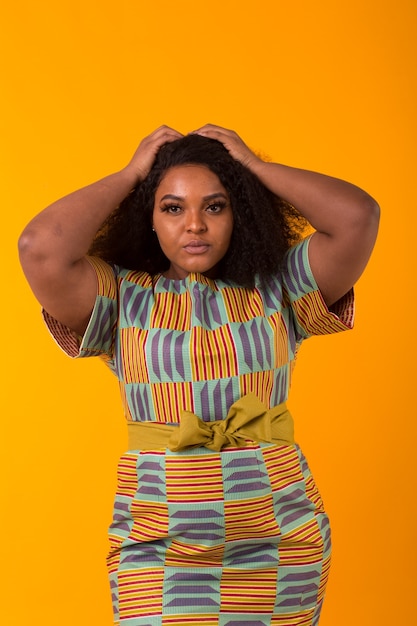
(197, 291)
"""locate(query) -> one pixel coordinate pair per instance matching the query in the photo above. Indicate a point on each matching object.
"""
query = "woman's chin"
(179, 273)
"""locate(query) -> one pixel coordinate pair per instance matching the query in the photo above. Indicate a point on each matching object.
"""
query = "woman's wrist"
(268, 173)
(131, 175)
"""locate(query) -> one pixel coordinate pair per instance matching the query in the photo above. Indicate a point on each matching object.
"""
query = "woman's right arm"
(53, 246)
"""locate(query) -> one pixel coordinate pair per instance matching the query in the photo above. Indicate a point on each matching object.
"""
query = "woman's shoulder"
(139, 278)
(296, 271)
(121, 275)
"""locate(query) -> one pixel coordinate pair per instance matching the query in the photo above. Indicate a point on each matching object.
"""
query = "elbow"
(31, 248)
(359, 222)
(367, 217)
(373, 214)
(370, 205)
(25, 243)
(374, 209)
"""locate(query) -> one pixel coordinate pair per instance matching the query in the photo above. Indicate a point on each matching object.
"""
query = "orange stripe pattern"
(200, 535)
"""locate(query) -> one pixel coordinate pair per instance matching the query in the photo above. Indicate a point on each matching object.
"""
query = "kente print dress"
(199, 536)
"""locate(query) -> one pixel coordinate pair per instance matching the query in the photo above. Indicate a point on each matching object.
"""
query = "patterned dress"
(223, 538)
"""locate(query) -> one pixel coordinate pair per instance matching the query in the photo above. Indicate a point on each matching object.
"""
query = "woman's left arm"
(344, 217)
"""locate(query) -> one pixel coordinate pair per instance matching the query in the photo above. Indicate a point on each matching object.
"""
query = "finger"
(165, 128)
(163, 133)
(211, 130)
(149, 146)
(166, 138)
(229, 138)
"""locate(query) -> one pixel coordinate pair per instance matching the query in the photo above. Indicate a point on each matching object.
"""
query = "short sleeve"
(311, 314)
(98, 339)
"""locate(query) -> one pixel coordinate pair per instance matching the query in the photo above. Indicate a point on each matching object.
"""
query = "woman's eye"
(215, 208)
(172, 208)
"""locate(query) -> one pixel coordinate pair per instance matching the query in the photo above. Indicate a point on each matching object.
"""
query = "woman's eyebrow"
(219, 194)
(171, 196)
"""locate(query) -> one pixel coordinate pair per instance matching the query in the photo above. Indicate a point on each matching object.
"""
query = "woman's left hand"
(233, 144)
(345, 217)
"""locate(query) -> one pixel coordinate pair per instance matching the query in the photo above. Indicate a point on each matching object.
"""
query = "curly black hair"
(264, 225)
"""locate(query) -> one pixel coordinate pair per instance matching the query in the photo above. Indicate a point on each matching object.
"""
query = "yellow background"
(326, 85)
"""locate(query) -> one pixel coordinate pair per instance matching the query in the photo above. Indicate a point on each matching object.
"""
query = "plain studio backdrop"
(321, 85)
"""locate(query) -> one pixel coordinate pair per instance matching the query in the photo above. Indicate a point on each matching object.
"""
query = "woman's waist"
(247, 421)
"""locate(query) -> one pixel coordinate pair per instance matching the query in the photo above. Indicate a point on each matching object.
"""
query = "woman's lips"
(196, 247)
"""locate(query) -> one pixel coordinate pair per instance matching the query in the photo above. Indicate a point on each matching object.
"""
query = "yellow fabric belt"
(248, 420)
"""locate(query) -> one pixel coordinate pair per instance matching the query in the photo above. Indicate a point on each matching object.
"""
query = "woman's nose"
(195, 222)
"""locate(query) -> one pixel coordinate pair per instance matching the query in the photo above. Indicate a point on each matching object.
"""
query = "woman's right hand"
(54, 244)
(147, 150)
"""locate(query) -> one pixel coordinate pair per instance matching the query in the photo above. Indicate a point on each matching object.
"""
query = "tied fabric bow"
(248, 419)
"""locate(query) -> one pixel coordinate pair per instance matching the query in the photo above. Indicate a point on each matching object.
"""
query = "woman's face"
(193, 220)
